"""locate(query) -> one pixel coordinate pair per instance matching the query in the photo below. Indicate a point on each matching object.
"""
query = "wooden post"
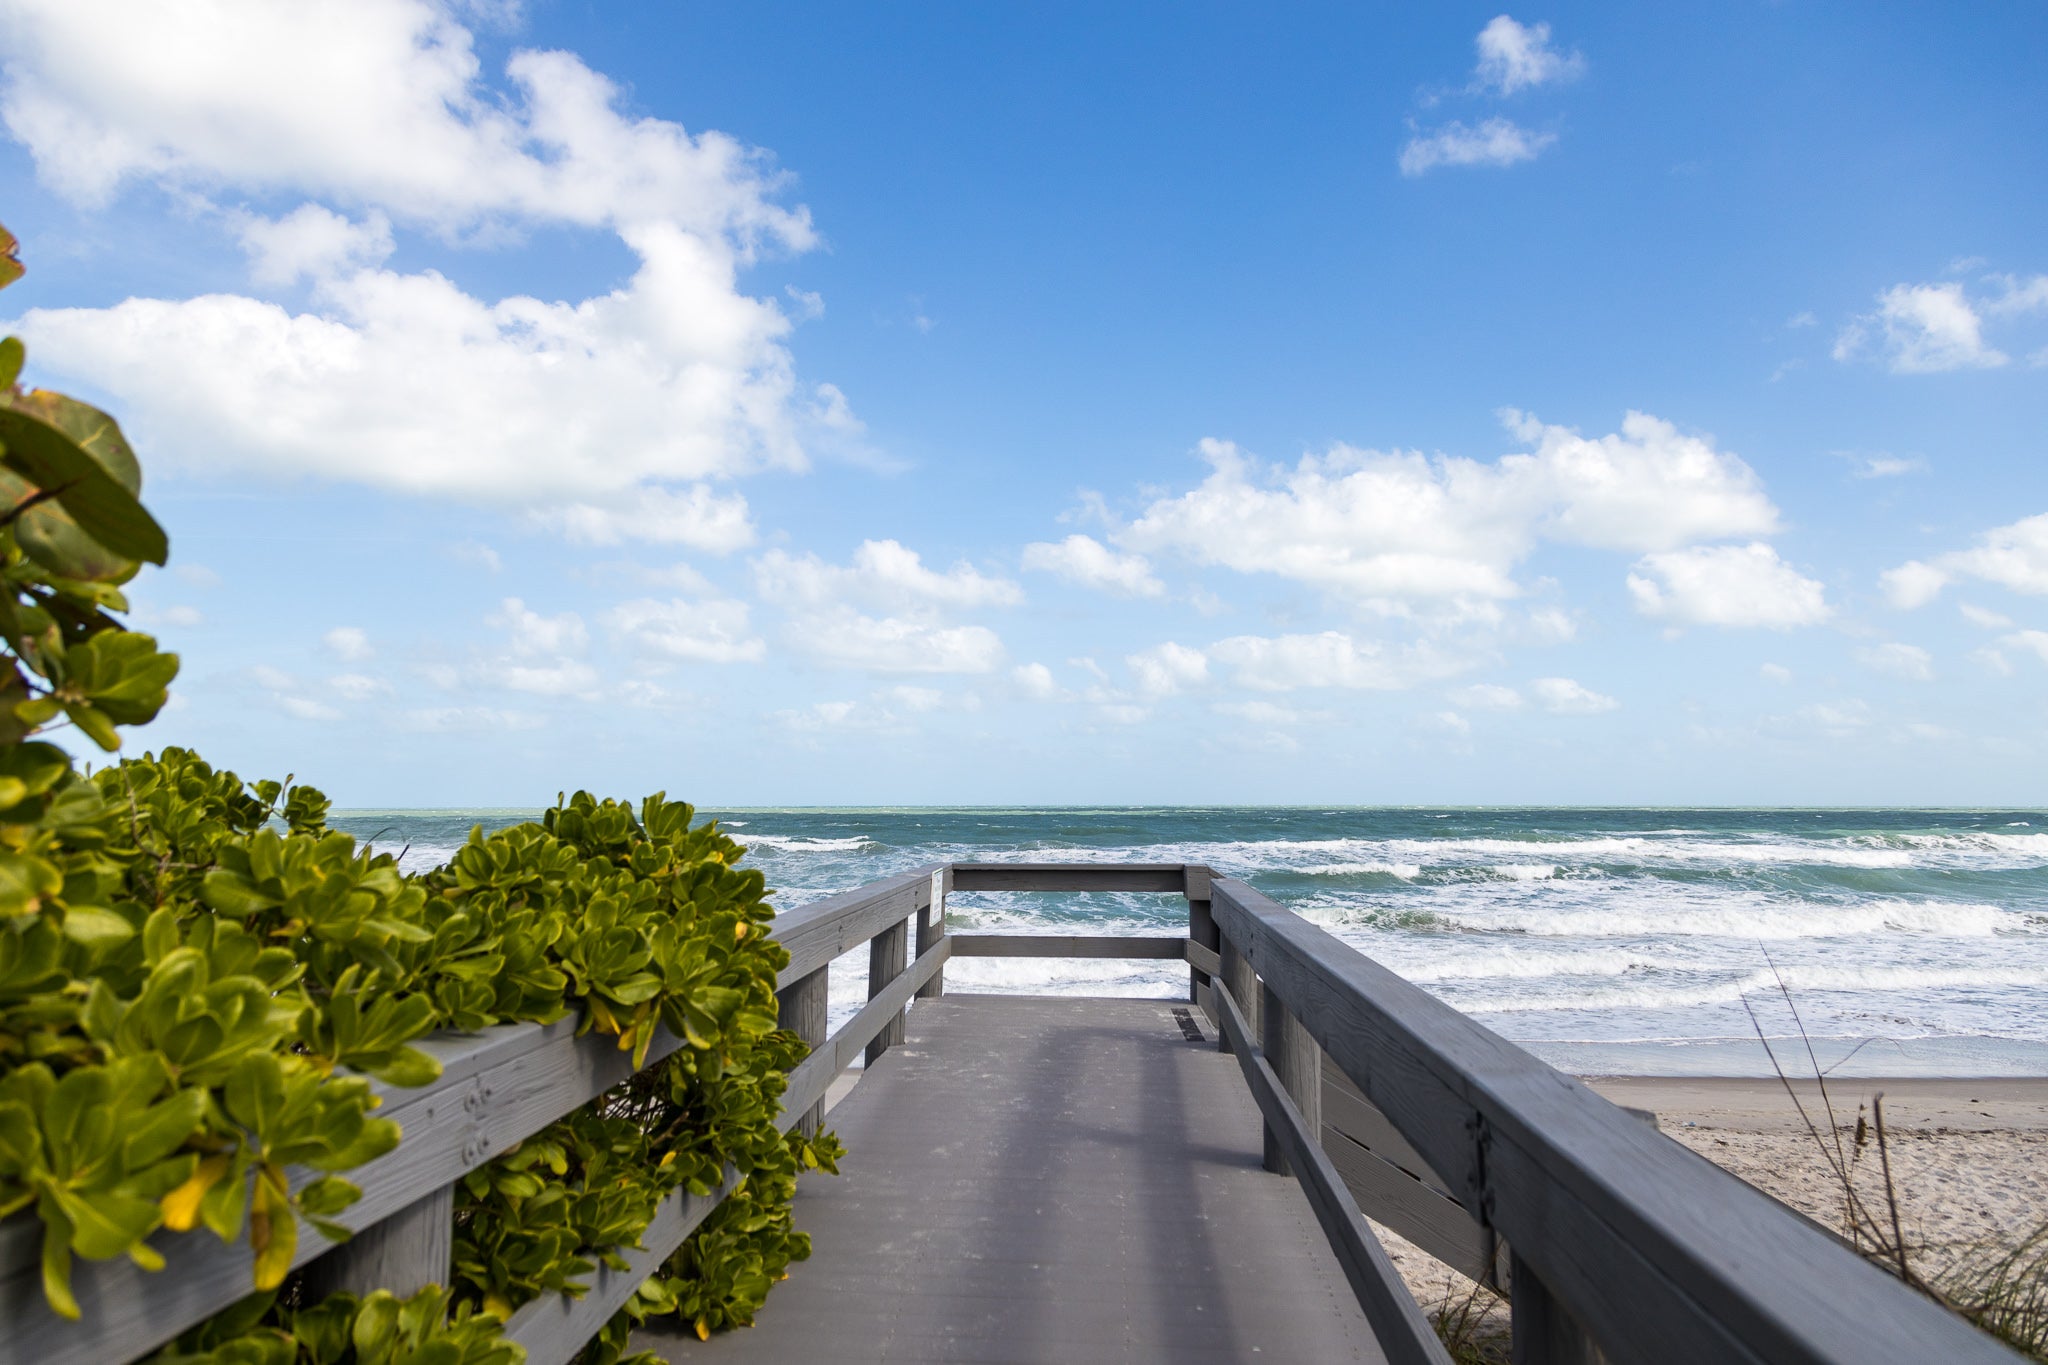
(931, 927)
(1298, 1062)
(800, 1008)
(888, 955)
(1545, 1332)
(1201, 925)
(1243, 986)
(404, 1253)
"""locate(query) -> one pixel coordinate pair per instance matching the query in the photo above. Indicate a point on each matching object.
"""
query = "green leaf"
(104, 1223)
(409, 1067)
(94, 927)
(12, 352)
(77, 453)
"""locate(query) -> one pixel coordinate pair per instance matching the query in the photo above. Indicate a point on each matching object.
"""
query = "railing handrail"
(1655, 1251)
(1659, 1254)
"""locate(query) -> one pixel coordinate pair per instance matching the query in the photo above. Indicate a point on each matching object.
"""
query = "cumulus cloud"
(1516, 57)
(1086, 561)
(1931, 328)
(1397, 531)
(2014, 556)
(1166, 669)
(1564, 697)
(1036, 682)
(611, 416)
(1329, 659)
(350, 643)
(833, 609)
(882, 573)
(365, 101)
(889, 710)
(1910, 662)
(1495, 142)
(1726, 585)
(711, 631)
(543, 653)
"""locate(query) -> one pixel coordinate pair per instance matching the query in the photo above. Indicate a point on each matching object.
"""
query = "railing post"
(800, 1008)
(1298, 1062)
(888, 955)
(1201, 925)
(1545, 1332)
(1243, 986)
(404, 1253)
(931, 927)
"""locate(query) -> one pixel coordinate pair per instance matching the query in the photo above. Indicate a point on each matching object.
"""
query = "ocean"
(1909, 942)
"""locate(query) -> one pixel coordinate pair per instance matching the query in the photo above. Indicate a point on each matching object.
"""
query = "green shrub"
(197, 978)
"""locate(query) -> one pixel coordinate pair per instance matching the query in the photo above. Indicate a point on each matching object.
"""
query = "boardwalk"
(1040, 1180)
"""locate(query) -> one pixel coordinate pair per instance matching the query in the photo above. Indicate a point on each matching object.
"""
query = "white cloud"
(890, 710)
(1776, 673)
(1886, 466)
(533, 634)
(465, 719)
(1393, 530)
(1166, 669)
(366, 101)
(1036, 682)
(611, 416)
(585, 414)
(1495, 142)
(1488, 697)
(543, 650)
(713, 631)
(1992, 661)
(1516, 56)
(883, 574)
(2035, 641)
(846, 638)
(1909, 662)
(1980, 616)
(358, 686)
(2018, 296)
(349, 643)
(477, 553)
(1450, 722)
(1565, 697)
(1726, 585)
(1921, 329)
(2014, 556)
(305, 708)
(1330, 659)
(912, 636)
(313, 242)
(1088, 562)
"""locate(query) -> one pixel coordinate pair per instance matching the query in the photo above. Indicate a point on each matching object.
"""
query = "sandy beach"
(1967, 1157)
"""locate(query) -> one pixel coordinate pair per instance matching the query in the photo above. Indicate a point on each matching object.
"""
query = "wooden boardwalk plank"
(1050, 1180)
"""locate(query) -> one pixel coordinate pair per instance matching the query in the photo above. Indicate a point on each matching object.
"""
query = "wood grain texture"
(816, 933)
(1544, 1332)
(931, 926)
(1069, 877)
(1389, 1195)
(1349, 1112)
(888, 953)
(1068, 945)
(815, 1074)
(1206, 962)
(554, 1327)
(497, 1087)
(1034, 1181)
(1202, 938)
(1298, 1062)
(1661, 1255)
(801, 1008)
(405, 1253)
(1397, 1320)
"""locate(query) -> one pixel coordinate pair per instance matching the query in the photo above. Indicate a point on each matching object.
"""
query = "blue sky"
(815, 404)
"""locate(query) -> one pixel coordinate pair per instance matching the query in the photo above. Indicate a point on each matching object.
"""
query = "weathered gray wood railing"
(1380, 1099)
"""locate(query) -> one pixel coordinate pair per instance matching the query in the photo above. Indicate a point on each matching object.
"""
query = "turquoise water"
(1604, 940)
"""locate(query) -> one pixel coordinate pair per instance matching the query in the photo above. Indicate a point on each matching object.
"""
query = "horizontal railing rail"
(1383, 1102)
(1623, 1242)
